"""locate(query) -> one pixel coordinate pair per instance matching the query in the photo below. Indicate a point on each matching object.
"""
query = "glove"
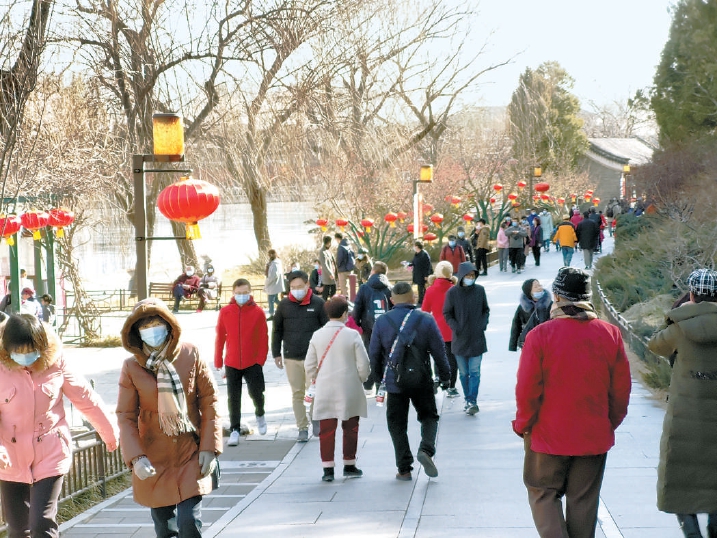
(445, 385)
(143, 468)
(207, 463)
(4, 458)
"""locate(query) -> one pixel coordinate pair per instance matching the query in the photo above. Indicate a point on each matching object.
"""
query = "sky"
(611, 48)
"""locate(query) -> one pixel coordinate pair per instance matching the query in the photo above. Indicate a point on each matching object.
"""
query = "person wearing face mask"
(364, 265)
(274, 281)
(482, 238)
(516, 238)
(466, 312)
(241, 347)
(329, 274)
(208, 288)
(534, 309)
(422, 269)
(453, 253)
(315, 278)
(297, 317)
(36, 453)
(463, 242)
(169, 425)
(186, 285)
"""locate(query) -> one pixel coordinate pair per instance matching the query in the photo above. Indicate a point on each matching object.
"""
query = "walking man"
(588, 234)
(328, 269)
(482, 235)
(464, 243)
(419, 330)
(453, 253)
(466, 312)
(345, 263)
(422, 269)
(242, 331)
(565, 238)
(297, 317)
(572, 393)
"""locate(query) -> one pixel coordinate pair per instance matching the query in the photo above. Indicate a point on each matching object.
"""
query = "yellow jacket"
(565, 235)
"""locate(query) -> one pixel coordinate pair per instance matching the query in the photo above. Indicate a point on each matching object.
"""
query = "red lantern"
(455, 201)
(35, 221)
(596, 202)
(323, 223)
(542, 187)
(544, 197)
(9, 226)
(342, 223)
(402, 216)
(424, 228)
(492, 200)
(561, 202)
(436, 219)
(430, 237)
(512, 196)
(59, 218)
(589, 192)
(189, 200)
(410, 228)
(573, 197)
(367, 223)
(427, 208)
(536, 198)
(391, 218)
(497, 187)
(587, 197)
(522, 184)
(468, 217)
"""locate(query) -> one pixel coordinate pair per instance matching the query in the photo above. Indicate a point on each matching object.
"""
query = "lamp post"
(425, 176)
(623, 180)
(168, 135)
(537, 174)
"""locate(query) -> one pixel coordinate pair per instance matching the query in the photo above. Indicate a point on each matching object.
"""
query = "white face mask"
(299, 294)
(189, 273)
(469, 281)
(242, 298)
(154, 336)
(25, 359)
(538, 294)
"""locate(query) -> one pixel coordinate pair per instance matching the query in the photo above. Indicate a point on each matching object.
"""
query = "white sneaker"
(261, 424)
(233, 438)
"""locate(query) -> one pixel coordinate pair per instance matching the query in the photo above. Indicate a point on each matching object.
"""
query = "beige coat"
(339, 389)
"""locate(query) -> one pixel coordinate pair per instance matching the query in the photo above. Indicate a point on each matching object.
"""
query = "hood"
(697, 321)
(46, 359)
(464, 269)
(527, 303)
(144, 309)
(379, 282)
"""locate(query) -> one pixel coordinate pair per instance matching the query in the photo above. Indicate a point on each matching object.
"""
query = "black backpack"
(411, 371)
(609, 212)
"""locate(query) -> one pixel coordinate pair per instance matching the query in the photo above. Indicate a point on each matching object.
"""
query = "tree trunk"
(257, 199)
(187, 252)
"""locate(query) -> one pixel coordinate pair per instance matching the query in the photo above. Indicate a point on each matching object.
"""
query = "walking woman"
(36, 452)
(502, 243)
(338, 365)
(534, 309)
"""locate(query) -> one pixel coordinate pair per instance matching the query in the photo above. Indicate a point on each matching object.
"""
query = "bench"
(163, 290)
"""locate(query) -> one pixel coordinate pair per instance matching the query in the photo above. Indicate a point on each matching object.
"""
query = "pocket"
(7, 395)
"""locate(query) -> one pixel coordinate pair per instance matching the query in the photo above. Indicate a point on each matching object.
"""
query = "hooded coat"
(528, 315)
(33, 427)
(366, 310)
(466, 312)
(686, 475)
(175, 458)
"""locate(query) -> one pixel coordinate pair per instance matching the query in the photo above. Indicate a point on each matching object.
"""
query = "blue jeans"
(182, 520)
(272, 298)
(567, 255)
(469, 368)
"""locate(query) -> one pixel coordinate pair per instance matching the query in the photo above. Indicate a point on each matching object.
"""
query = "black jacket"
(524, 320)
(294, 325)
(365, 310)
(588, 233)
(466, 312)
(467, 247)
(422, 267)
(421, 331)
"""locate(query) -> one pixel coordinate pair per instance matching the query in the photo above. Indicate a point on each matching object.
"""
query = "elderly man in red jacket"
(241, 327)
(572, 393)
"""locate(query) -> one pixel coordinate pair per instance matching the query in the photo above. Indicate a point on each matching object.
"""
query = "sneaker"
(233, 438)
(261, 424)
(404, 477)
(428, 466)
(452, 393)
(270, 318)
(175, 311)
(328, 474)
(351, 471)
(315, 428)
(199, 311)
(303, 436)
(513, 269)
(472, 409)
(369, 393)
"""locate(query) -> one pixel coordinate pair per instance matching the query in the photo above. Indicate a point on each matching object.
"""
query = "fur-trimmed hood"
(144, 309)
(47, 358)
(527, 303)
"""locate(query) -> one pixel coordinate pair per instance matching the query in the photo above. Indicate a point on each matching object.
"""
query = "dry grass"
(75, 506)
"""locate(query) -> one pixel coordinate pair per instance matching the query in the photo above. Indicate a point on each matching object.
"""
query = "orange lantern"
(497, 187)
(427, 209)
(456, 201)
(59, 218)
(9, 226)
(512, 197)
(402, 216)
(522, 184)
(35, 221)
(542, 187)
(561, 202)
(189, 200)
(436, 219)
(341, 223)
(468, 217)
(391, 218)
(368, 224)
(430, 237)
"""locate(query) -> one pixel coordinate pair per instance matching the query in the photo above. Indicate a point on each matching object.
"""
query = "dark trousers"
(397, 421)
(453, 364)
(327, 440)
(183, 520)
(514, 257)
(329, 291)
(482, 259)
(536, 254)
(578, 478)
(374, 378)
(31, 509)
(254, 376)
(421, 292)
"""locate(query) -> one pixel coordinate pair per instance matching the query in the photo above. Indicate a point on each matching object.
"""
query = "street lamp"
(537, 174)
(168, 146)
(425, 176)
(623, 180)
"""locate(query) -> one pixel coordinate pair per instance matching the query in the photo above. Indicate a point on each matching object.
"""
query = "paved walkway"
(479, 490)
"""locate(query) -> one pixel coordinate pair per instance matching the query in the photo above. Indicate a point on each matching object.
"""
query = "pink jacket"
(33, 427)
(502, 240)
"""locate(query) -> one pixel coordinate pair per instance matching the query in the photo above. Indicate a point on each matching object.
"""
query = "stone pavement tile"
(651, 533)
(145, 532)
(468, 527)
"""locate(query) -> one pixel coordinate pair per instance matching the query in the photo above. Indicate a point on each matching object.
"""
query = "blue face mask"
(154, 336)
(25, 359)
(299, 294)
(469, 281)
(451, 244)
(538, 295)
(242, 298)
(461, 234)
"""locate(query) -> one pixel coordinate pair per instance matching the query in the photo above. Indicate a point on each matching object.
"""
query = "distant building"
(604, 162)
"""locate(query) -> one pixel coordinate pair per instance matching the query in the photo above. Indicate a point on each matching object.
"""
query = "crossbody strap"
(395, 342)
(326, 352)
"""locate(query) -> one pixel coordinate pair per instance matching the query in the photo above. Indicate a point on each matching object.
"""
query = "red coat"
(573, 387)
(433, 302)
(456, 256)
(244, 331)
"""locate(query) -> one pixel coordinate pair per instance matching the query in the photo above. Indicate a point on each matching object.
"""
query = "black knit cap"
(572, 284)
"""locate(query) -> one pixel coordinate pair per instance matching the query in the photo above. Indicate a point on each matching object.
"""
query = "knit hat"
(443, 269)
(703, 282)
(402, 292)
(528, 287)
(572, 284)
(461, 229)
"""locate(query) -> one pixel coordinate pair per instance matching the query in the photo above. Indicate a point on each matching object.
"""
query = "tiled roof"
(623, 150)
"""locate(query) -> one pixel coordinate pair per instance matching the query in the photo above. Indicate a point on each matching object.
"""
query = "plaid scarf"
(573, 310)
(171, 402)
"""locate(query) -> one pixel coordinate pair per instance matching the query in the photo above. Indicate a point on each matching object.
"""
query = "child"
(48, 309)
